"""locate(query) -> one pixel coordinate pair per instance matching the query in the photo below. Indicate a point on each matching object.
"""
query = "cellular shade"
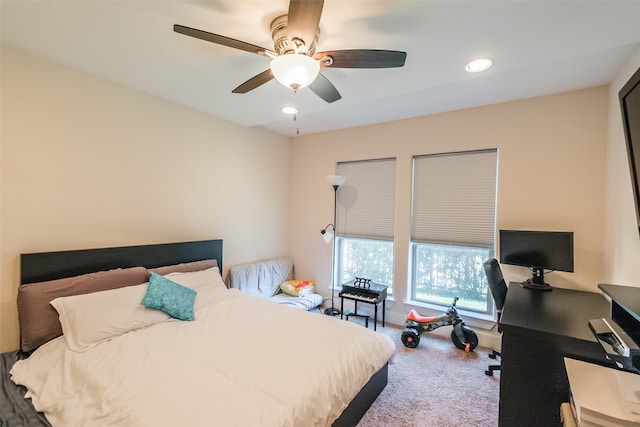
(366, 201)
(454, 198)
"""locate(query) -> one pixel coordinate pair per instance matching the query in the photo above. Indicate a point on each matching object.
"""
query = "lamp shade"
(295, 70)
(327, 236)
(336, 180)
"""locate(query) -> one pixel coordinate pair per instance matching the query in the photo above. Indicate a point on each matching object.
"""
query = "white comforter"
(244, 362)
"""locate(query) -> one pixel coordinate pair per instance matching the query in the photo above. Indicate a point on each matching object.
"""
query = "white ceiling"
(538, 47)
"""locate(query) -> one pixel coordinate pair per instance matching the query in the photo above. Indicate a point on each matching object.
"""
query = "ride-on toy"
(462, 336)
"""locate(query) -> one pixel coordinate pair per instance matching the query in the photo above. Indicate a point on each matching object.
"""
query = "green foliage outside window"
(442, 272)
(371, 259)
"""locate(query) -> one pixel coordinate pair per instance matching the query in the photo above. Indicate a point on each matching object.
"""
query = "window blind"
(454, 198)
(366, 200)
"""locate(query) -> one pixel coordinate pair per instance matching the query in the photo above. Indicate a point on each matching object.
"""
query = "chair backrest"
(497, 285)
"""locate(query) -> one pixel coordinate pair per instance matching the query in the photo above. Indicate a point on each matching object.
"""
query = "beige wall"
(622, 242)
(88, 163)
(551, 176)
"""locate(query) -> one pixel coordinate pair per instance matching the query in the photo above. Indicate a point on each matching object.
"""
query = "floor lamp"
(336, 181)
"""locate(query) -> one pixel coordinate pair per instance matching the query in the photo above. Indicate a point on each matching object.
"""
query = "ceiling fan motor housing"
(280, 41)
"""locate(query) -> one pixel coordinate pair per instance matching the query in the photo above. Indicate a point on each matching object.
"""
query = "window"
(369, 258)
(453, 228)
(365, 221)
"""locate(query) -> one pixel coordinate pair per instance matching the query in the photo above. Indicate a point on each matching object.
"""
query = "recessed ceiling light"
(289, 110)
(478, 65)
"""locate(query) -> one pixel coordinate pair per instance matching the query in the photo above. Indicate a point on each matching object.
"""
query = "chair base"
(493, 355)
(490, 369)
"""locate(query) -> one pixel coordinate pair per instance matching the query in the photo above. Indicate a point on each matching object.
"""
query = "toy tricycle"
(462, 336)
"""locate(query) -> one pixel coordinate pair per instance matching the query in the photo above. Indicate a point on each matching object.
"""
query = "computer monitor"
(538, 250)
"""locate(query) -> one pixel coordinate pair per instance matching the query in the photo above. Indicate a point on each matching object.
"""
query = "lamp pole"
(335, 181)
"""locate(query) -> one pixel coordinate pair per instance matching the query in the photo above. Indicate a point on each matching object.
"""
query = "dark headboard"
(43, 266)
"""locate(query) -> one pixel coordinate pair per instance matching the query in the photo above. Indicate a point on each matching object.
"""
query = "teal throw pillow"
(172, 298)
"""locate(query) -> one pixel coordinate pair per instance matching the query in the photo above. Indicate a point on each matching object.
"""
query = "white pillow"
(208, 283)
(89, 319)
(198, 279)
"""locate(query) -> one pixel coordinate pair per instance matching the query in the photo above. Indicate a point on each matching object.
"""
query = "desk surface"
(561, 312)
(627, 297)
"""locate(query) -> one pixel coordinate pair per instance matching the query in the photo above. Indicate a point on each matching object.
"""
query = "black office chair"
(498, 288)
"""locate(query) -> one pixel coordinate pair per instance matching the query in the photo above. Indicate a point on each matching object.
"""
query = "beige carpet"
(435, 385)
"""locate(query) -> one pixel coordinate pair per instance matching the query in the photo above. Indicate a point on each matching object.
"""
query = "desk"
(538, 330)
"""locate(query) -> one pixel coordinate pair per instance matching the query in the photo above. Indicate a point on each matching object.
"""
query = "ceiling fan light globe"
(295, 70)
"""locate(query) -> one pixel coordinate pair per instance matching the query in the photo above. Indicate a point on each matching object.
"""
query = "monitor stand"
(536, 281)
(529, 284)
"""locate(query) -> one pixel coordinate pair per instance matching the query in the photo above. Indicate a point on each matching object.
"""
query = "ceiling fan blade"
(218, 39)
(254, 82)
(362, 58)
(322, 87)
(303, 20)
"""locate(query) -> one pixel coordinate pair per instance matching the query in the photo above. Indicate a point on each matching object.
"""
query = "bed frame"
(44, 266)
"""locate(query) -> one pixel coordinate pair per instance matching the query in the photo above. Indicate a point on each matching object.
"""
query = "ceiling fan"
(294, 62)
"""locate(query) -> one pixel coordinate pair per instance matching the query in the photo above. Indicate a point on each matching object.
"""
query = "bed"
(241, 361)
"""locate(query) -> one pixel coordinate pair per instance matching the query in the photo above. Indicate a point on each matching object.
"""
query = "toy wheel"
(410, 338)
(469, 336)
